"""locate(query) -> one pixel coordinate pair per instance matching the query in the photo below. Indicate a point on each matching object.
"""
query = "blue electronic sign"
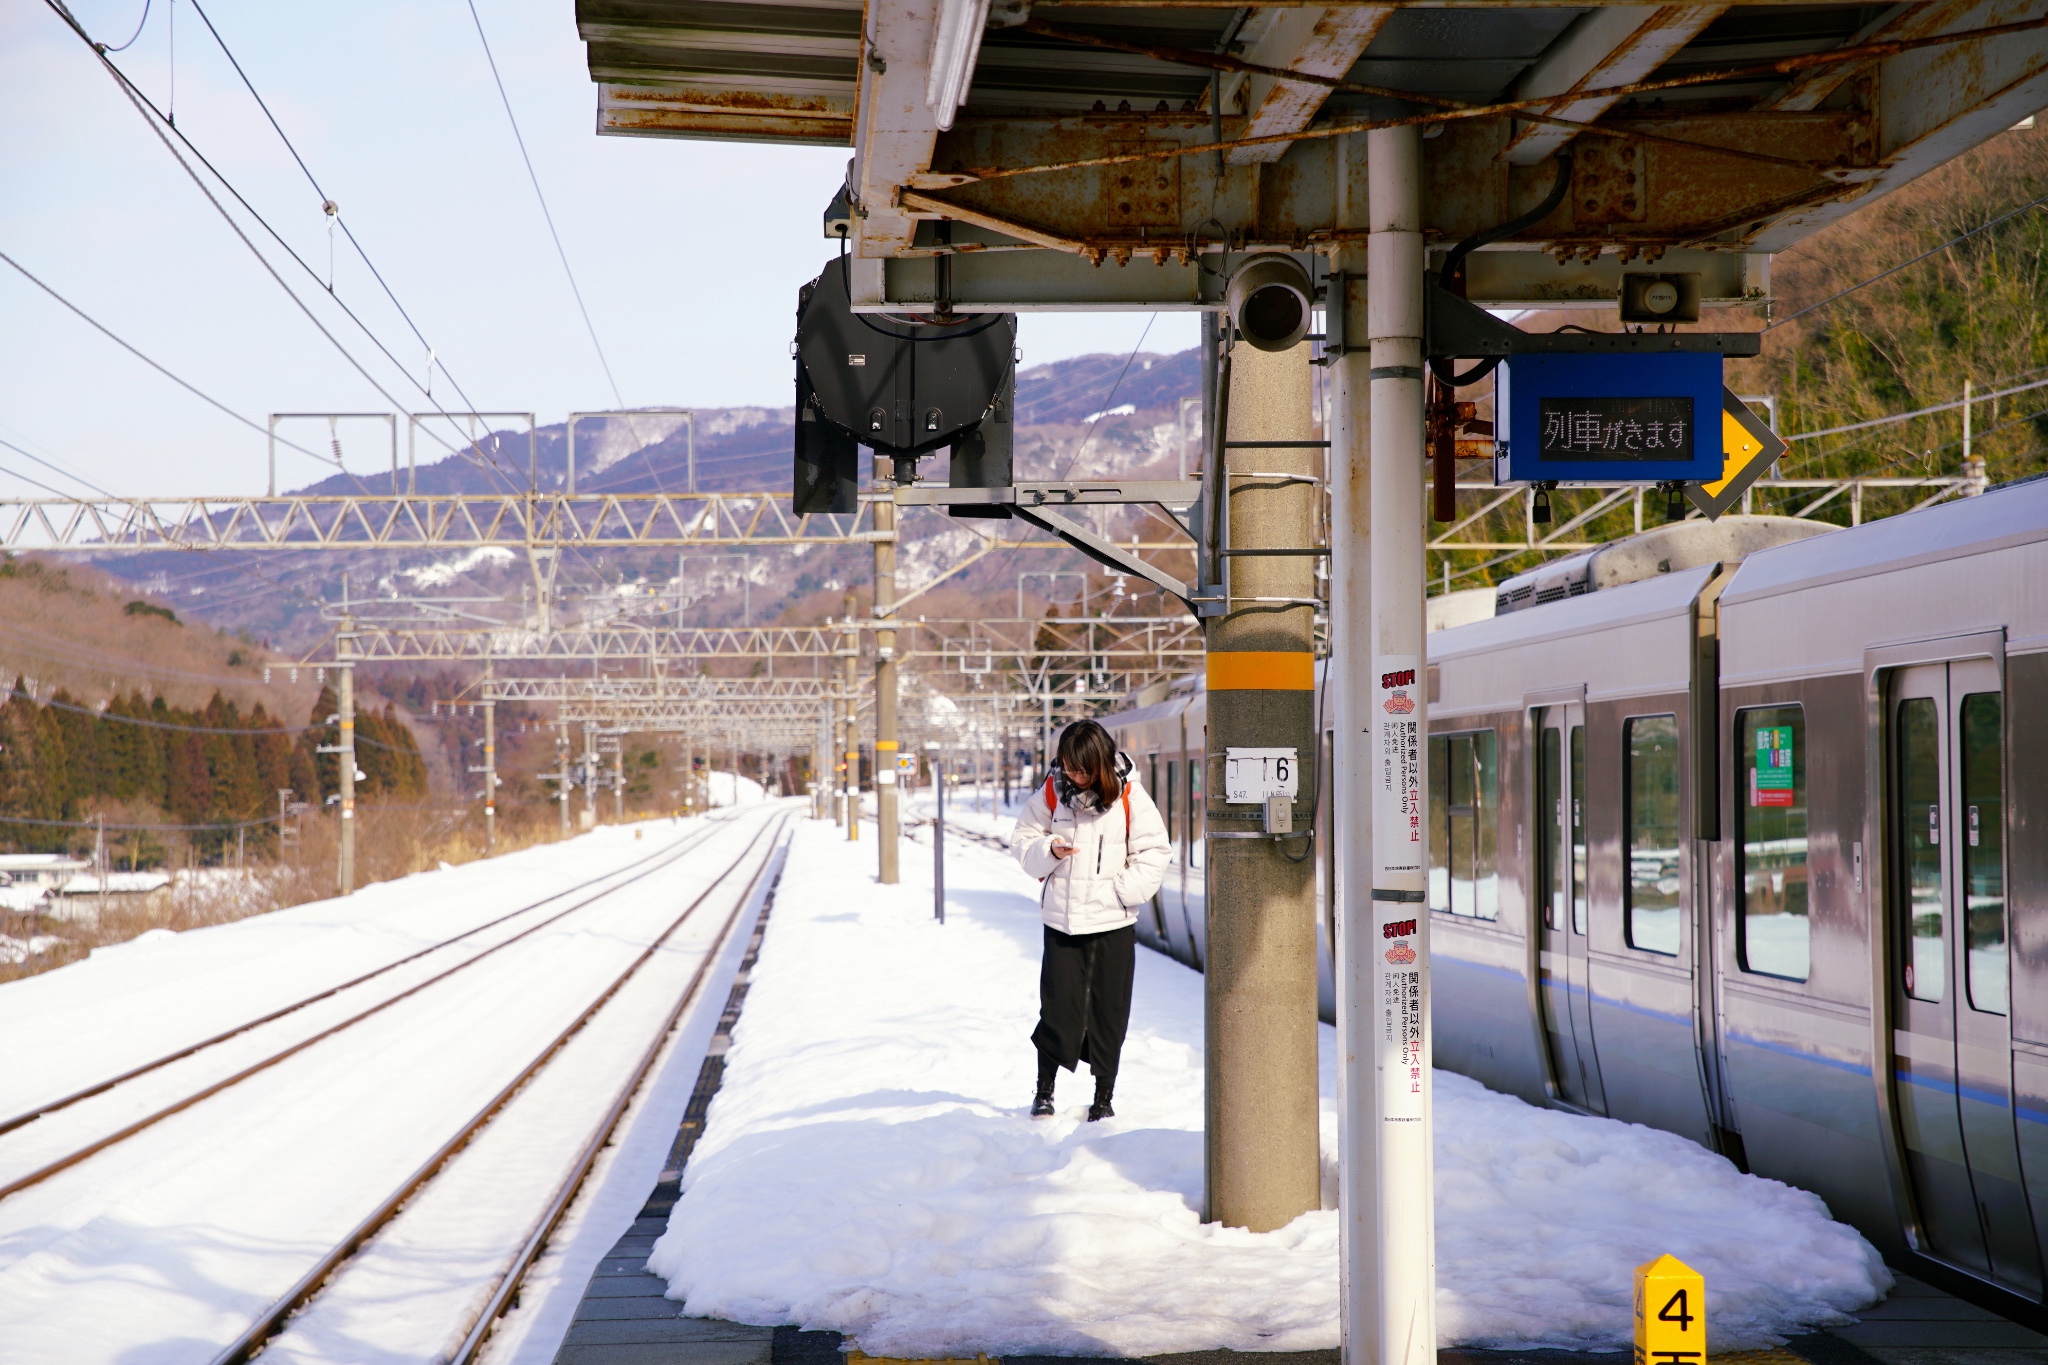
(1628, 418)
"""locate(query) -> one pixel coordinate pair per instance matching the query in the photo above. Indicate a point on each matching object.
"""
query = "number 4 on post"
(1671, 1313)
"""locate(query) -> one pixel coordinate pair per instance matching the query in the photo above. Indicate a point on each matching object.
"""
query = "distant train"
(1741, 831)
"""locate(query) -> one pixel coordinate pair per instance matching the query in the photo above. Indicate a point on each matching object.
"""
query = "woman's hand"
(1062, 849)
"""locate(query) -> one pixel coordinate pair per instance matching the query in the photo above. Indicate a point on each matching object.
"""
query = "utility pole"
(850, 686)
(1396, 1270)
(1263, 1159)
(589, 774)
(931, 750)
(885, 688)
(619, 782)
(562, 782)
(490, 777)
(99, 859)
(345, 752)
(1351, 757)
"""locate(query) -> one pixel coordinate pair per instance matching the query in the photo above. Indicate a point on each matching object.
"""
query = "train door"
(1561, 952)
(1164, 801)
(1952, 1041)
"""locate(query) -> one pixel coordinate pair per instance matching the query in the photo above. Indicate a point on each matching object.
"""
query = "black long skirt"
(1084, 997)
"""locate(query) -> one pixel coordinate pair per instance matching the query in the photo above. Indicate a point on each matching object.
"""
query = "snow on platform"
(869, 1167)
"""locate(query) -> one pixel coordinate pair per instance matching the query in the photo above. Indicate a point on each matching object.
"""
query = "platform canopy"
(1059, 155)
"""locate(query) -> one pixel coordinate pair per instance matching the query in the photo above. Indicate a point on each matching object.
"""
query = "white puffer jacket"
(1113, 869)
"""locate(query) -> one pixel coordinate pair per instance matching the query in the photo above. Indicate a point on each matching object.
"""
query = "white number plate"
(1252, 775)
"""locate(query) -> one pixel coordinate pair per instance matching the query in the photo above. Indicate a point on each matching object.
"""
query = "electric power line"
(1885, 274)
(109, 334)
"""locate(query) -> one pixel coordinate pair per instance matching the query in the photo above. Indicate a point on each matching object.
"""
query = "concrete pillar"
(885, 691)
(1402, 1260)
(1262, 1152)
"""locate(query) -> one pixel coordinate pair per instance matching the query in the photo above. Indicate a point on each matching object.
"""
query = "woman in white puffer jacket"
(1099, 848)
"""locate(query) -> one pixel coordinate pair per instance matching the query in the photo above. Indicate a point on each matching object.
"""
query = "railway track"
(566, 1189)
(516, 940)
(637, 870)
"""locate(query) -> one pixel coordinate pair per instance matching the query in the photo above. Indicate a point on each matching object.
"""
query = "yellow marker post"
(1671, 1313)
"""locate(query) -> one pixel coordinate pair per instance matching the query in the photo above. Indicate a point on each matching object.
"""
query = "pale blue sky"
(689, 253)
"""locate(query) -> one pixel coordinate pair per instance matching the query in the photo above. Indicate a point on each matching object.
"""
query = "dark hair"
(1086, 747)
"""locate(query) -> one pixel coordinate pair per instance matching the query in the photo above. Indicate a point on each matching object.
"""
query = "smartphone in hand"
(1061, 848)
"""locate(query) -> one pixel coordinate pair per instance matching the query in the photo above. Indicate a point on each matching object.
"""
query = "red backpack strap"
(1127, 810)
(1049, 806)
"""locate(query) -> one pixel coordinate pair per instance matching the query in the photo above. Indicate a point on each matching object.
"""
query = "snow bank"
(720, 787)
(869, 1168)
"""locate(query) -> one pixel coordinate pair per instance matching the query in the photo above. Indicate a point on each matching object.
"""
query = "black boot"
(1104, 1087)
(1041, 1101)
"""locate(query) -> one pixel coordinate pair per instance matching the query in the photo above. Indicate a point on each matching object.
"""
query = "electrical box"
(1630, 417)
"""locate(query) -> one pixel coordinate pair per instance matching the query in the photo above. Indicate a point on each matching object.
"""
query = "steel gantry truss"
(438, 521)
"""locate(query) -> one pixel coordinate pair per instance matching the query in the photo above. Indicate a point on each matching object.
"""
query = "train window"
(1167, 807)
(1198, 814)
(1578, 829)
(1550, 803)
(1983, 831)
(1464, 801)
(1919, 760)
(1653, 840)
(1774, 933)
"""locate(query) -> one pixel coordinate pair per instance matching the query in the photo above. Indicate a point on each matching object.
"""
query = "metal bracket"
(1032, 503)
(1107, 552)
(1454, 329)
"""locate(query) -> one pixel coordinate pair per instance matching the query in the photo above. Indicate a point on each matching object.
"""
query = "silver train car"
(1741, 832)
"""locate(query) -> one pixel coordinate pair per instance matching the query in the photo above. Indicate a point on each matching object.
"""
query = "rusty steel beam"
(1627, 196)
(1263, 141)
(1613, 45)
(1314, 40)
(1521, 106)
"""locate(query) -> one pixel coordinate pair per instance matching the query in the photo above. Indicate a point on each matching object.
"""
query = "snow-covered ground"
(162, 1247)
(869, 1167)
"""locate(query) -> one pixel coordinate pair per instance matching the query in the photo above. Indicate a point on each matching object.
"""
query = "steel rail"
(600, 1138)
(101, 1087)
(308, 1284)
(100, 1144)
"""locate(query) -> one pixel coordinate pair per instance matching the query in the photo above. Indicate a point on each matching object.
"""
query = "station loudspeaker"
(1671, 297)
(903, 387)
(1268, 299)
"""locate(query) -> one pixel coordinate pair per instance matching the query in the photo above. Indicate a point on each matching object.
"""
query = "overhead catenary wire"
(1108, 402)
(534, 177)
(158, 120)
(327, 203)
(140, 24)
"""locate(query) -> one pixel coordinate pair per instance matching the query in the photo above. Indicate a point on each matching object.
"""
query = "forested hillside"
(211, 772)
(1975, 310)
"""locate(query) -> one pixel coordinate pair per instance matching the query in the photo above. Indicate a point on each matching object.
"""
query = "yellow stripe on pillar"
(1262, 670)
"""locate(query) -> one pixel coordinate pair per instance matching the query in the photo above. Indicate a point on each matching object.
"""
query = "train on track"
(1741, 831)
